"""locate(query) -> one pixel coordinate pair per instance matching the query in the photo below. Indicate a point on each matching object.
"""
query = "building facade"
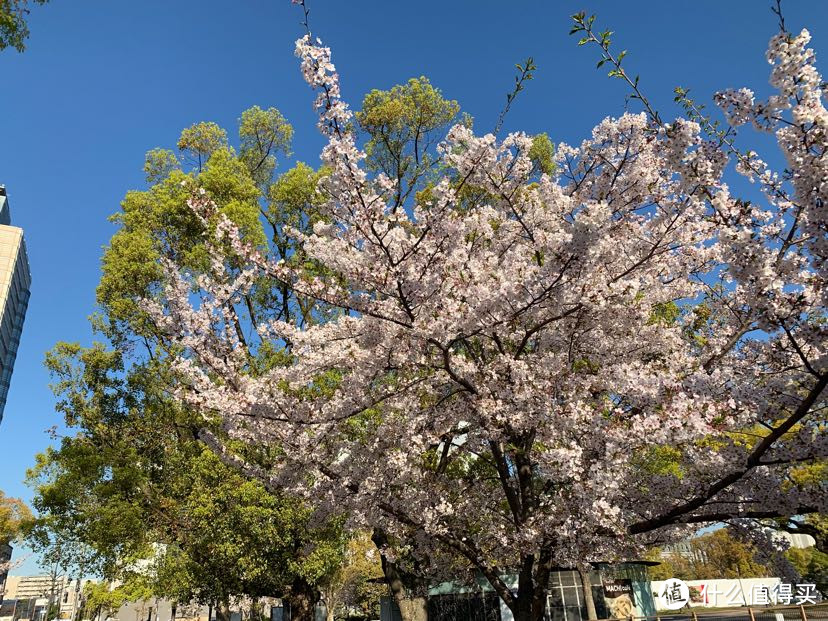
(15, 281)
(618, 591)
(29, 597)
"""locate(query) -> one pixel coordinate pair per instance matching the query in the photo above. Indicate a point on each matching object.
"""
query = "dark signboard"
(619, 598)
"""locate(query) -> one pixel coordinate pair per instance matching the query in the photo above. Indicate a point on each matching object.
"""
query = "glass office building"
(14, 294)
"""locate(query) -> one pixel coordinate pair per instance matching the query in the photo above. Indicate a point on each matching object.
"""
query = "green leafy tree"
(14, 29)
(725, 556)
(710, 556)
(135, 483)
(353, 586)
(263, 134)
(199, 141)
(104, 599)
(815, 524)
(670, 564)
(137, 472)
(812, 565)
(159, 163)
(158, 510)
(403, 125)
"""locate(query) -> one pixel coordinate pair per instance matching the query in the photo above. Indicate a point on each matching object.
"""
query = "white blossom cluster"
(499, 383)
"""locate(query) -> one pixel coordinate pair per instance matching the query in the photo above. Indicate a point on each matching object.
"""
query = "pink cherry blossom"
(500, 384)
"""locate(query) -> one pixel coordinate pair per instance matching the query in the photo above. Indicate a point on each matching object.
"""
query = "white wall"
(726, 592)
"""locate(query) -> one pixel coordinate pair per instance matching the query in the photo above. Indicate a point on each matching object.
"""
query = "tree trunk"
(223, 611)
(529, 606)
(173, 610)
(586, 584)
(329, 596)
(413, 608)
(413, 605)
(302, 599)
(76, 611)
(533, 586)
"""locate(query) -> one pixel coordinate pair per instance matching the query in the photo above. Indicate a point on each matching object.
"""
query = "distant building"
(794, 540)
(693, 553)
(27, 596)
(29, 587)
(15, 280)
(684, 549)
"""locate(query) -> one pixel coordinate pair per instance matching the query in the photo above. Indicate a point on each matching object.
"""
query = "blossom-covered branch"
(550, 368)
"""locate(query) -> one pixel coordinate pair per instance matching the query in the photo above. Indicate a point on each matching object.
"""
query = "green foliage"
(158, 164)
(353, 585)
(136, 483)
(711, 556)
(666, 567)
(812, 565)
(817, 524)
(402, 124)
(525, 73)
(812, 475)
(583, 25)
(105, 599)
(729, 557)
(542, 154)
(661, 460)
(13, 27)
(200, 140)
(157, 223)
(293, 201)
(293, 198)
(665, 313)
(263, 133)
(695, 112)
(147, 503)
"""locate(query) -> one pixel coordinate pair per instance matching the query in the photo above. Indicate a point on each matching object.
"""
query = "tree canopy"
(148, 503)
(711, 556)
(561, 366)
(135, 487)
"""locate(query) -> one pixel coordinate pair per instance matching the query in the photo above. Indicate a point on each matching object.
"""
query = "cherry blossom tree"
(528, 370)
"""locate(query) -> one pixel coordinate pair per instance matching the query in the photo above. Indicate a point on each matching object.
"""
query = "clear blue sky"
(103, 81)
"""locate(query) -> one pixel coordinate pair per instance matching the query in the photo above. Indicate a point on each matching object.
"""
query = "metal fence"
(811, 612)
